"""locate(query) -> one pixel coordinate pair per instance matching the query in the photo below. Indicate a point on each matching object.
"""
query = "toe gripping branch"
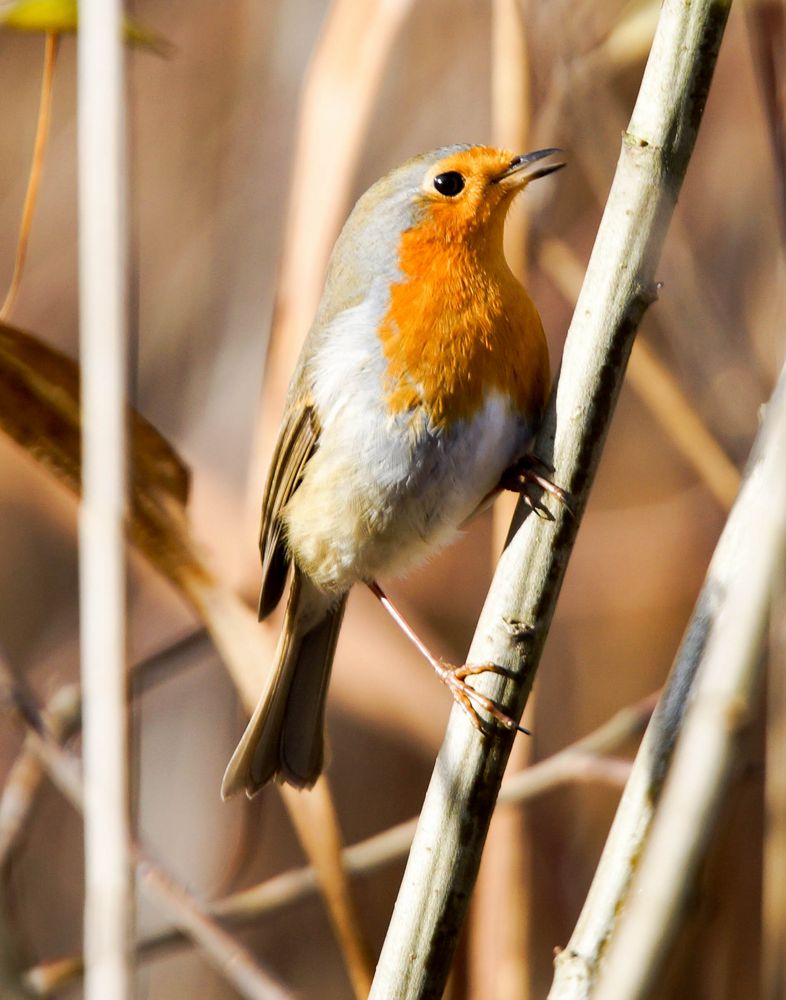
(532, 471)
(468, 697)
(454, 677)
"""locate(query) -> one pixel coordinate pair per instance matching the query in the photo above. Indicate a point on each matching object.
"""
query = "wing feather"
(297, 442)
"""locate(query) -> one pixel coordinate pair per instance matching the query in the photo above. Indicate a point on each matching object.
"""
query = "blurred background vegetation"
(249, 142)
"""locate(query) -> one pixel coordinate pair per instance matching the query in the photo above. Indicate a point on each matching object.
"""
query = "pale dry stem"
(36, 169)
(619, 286)
(500, 918)
(746, 572)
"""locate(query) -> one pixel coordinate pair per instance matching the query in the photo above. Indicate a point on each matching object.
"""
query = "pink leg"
(453, 677)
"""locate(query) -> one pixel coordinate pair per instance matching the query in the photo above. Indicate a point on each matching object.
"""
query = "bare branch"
(501, 916)
(577, 966)
(230, 958)
(748, 563)
(619, 286)
(24, 779)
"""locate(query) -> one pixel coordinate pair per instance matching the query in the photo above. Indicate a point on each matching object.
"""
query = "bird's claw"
(467, 697)
(525, 473)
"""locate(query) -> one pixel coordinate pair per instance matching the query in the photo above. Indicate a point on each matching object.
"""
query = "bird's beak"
(520, 170)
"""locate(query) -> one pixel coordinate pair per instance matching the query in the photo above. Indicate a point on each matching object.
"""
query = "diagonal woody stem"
(619, 286)
(728, 630)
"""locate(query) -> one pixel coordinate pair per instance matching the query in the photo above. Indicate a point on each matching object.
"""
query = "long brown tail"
(285, 737)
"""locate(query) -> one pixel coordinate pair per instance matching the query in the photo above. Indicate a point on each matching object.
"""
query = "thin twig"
(500, 917)
(231, 959)
(585, 761)
(620, 284)
(63, 714)
(19, 791)
(511, 110)
(36, 169)
(14, 696)
(753, 554)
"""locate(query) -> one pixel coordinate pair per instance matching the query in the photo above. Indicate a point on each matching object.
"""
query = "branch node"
(633, 142)
(517, 629)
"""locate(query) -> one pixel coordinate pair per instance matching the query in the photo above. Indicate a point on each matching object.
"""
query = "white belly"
(382, 493)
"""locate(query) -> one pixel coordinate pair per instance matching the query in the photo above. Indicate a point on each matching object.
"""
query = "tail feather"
(302, 746)
(285, 737)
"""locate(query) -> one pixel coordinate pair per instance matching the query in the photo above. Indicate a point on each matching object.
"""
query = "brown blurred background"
(214, 139)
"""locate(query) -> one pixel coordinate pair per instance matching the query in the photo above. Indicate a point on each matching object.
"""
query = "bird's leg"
(529, 470)
(454, 677)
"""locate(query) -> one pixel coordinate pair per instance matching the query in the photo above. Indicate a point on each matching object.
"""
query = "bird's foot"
(455, 678)
(529, 471)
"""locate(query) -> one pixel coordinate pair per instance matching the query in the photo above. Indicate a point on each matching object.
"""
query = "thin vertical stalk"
(511, 110)
(36, 169)
(102, 271)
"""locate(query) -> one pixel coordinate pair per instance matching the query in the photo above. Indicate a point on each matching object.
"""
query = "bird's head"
(453, 194)
(468, 190)
(420, 214)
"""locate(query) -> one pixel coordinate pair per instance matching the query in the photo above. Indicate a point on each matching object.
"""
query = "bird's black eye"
(450, 184)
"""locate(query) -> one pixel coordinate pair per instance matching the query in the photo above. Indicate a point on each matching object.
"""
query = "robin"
(415, 398)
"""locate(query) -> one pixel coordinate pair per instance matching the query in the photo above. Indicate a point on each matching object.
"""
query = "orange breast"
(460, 325)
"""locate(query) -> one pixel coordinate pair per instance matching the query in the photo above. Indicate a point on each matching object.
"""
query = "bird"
(414, 401)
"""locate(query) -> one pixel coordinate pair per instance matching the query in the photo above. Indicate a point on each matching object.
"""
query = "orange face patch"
(459, 324)
(479, 203)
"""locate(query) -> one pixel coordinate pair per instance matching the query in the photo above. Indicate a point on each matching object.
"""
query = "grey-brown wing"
(296, 443)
